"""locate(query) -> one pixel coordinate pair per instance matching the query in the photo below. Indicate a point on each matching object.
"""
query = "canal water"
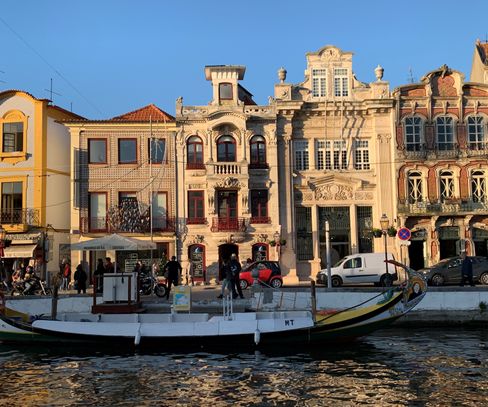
(414, 367)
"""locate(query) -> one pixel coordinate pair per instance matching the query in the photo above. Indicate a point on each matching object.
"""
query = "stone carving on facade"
(363, 196)
(333, 192)
(245, 207)
(282, 75)
(261, 238)
(379, 73)
(229, 182)
(180, 137)
(271, 100)
(179, 105)
(196, 239)
(272, 136)
(211, 202)
(231, 238)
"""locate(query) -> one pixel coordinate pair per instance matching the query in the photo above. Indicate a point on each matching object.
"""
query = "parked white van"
(361, 268)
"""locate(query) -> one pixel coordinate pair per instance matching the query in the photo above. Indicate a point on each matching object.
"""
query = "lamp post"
(3, 235)
(385, 224)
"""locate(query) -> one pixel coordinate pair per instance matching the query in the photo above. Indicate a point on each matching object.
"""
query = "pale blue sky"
(110, 57)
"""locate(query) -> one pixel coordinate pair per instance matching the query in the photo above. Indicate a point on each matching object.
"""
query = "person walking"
(466, 270)
(80, 279)
(98, 276)
(173, 269)
(235, 268)
(66, 276)
(227, 281)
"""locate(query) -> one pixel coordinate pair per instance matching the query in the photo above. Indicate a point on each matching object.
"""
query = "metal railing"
(229, 225)
(20, 217)
(142, 225)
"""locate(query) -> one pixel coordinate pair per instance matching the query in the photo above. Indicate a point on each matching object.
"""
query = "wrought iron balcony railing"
(229, 225)
(448, 206)
(260, 219)
(28, 217)
(196, 221)
(130, 225)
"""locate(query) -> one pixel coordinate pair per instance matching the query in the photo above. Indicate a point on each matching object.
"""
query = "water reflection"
(394, 367)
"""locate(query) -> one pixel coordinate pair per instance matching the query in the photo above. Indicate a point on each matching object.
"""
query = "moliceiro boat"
(256, 328)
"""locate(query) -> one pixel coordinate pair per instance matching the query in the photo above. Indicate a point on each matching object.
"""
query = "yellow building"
(34, 180)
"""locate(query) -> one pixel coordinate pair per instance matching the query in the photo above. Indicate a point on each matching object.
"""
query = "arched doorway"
(225, 251)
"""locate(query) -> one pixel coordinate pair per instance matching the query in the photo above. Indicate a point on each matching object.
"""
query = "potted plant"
(391, 231)
(376, 232)
(283, 242)
(272, 243)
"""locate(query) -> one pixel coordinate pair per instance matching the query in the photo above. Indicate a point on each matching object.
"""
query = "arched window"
(414, 187)
(478, 186)
(446, 185)
(194, 153)
(413, 133)
(445, 133)
(226, 149)
(260, 252)
(258, 152)
(476, 133)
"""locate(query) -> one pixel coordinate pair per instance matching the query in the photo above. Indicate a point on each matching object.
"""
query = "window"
(414, 187)
(304, 233)
(226, 149)
(301, 155)
(353, 263)
(445, 134)
(478, 186)
(331, 155)
(413, 133)
(194, 154)
(196, 207)
(157, 150)
(319, 88)
(476, 133)
(340, 82)
(446, 185)
(127, 151)
(13, 137)
(97, 151)
(98, 211)
(125, 197)
(258, 152)
(259, 206)
(225, 91)
(159, 210)
(361, 155)
(12, 202)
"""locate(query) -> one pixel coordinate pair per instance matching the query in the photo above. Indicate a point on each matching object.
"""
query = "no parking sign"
(404, 234)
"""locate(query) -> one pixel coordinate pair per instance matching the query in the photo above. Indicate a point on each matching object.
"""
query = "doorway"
(225, 251)
(416, 254)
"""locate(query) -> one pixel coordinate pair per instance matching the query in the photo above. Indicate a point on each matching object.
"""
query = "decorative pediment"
(339, 188)
(229, 182)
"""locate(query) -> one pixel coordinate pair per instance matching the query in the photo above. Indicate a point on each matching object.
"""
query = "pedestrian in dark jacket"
(235, 267)
(98, 276)
(227, 281)
(80, 279)
(173, 270)
(466, 270)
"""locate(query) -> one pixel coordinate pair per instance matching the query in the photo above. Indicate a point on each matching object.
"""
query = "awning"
(19, 251)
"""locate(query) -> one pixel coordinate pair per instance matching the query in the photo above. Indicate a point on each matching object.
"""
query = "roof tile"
(144, 114)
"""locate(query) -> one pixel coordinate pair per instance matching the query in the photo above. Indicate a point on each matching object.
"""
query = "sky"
(106, 58)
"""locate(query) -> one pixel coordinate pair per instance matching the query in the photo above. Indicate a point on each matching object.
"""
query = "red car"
(269, 274)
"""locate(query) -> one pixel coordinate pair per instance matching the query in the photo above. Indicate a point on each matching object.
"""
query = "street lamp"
(385, 224)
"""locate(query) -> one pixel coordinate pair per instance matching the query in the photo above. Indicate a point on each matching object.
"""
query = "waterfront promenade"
(441, 306)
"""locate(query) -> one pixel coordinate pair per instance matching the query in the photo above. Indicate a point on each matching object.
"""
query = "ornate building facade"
(442, 165)
(335, 160)
(228, 194)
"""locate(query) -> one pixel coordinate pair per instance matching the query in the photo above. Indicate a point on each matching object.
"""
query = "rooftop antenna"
(51, 92)
(410, 78)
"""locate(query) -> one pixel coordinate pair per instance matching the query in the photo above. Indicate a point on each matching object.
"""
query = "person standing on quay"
(235, 267)
(466, 271)
(98, 276)
(173, 268)
(80, 279)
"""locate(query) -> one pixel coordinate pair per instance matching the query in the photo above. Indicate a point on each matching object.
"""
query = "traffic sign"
(404, 234)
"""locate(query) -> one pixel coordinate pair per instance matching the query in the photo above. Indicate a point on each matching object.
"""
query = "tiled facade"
(114, 177)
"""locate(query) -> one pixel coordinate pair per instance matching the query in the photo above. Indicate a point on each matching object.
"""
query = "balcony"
(258, 166)
(260, 220)
(229, 225)
(195, 166)
(19, 219)
(131, 225)
(454, 206)
(196, 221)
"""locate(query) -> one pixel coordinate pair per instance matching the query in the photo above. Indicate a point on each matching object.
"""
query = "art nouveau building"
(442, 166)
(228, 194)
(123, 181)
(335, 154)
(34, 180)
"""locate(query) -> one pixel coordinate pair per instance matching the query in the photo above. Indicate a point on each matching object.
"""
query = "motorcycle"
(149, 284)
(30, 286)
